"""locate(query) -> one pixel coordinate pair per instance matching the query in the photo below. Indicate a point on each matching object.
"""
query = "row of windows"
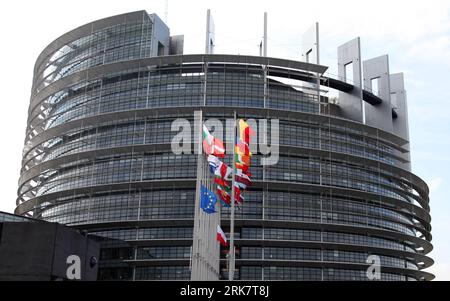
(187, 211)
(133, 98)
(309, 274)
(120, 42)
(247, 273)
(120, 253)
(165, 166)
(169, 166)
(115, 273)
(159, 131)
(150, 91)
(160, 204)
(317, 236)
(92, 41)
(5, 217)
(179, 204)
(269, 253)
(150, 83)
(163, 273)
(364, 240)
(310, 136)
(253, 253)
(294, 172)
(302, 254)
(146, 233)
(163, 252)
(259, 234)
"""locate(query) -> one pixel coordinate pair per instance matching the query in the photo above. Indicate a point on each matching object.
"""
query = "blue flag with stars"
(208, 200)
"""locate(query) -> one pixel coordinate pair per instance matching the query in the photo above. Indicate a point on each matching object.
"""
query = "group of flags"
(223, 175)
(242, 158)
(208, 203)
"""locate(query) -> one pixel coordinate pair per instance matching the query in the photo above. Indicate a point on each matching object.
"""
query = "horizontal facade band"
(268, 113)
(287, 263)
(389, 234)
(175, 61)
(87, 29)
(418, 258)
(266, 185)
(284, 150)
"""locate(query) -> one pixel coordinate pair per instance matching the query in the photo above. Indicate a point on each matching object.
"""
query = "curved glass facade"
(97, 157)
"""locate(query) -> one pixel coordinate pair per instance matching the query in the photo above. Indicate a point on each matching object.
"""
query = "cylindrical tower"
(98, 157)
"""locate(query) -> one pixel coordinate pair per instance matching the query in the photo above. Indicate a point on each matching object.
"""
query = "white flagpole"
(231, 255)
(196, 272)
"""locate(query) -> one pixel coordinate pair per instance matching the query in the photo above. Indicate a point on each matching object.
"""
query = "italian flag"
(221, 237)
(212, 145)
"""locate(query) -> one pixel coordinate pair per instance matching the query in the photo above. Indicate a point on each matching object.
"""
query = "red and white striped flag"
(221, 237)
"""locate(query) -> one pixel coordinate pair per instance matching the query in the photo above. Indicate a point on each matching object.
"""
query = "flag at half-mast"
(207, 200)
(221, 237)
(222, 177)
(212, 145)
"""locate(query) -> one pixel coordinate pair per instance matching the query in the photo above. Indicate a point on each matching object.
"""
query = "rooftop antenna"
(265, 35)
(166, 11)
(210, 33)
(263, 44)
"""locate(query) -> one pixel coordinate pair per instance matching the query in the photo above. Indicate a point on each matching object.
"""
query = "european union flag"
(207, 200)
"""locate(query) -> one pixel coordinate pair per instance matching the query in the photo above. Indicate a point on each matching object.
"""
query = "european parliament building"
(98, 156)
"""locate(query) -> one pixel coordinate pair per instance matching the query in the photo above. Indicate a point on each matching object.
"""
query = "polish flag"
(221, 237)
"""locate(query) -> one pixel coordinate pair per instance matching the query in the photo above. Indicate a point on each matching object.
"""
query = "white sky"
(416, 35)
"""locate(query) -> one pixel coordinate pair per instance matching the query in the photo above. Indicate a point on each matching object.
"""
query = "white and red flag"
(221, 237)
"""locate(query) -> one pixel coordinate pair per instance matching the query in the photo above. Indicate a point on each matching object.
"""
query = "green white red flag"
(221, 237)
(212, 145)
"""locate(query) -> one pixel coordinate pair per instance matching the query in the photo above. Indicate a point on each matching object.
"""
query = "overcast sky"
(415, 34)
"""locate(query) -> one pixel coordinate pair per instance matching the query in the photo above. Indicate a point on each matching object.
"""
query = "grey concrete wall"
(39, 251)
(176, 45)
(70, 242)
(161, 34)
(310, 43)
(379, 116)
(26, 251)
(401, 124)
(351, 104)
